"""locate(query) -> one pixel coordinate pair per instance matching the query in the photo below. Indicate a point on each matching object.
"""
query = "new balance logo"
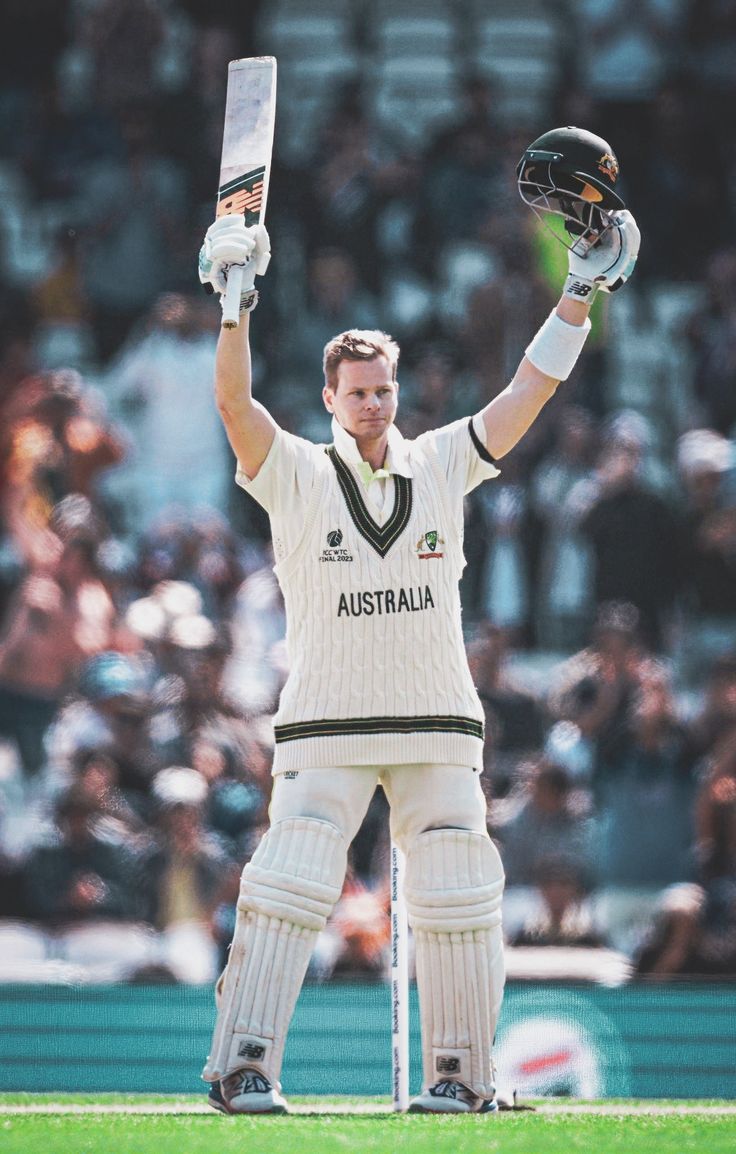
(448, 1065)
(579, 288)
(251, 1050)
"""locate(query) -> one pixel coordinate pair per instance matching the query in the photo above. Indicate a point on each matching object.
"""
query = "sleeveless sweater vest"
(378, 671)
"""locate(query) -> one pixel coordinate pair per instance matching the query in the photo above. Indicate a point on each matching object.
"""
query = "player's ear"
(328, 398)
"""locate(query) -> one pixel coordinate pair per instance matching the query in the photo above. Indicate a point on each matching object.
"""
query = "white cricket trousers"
(454, 886)
(421, 797)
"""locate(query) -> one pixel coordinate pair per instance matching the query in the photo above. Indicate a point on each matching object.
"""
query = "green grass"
(507, 1133)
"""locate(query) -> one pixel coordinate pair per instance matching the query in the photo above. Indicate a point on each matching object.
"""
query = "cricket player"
(367, 537)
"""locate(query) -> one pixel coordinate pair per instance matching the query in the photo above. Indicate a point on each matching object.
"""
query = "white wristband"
(557, 346)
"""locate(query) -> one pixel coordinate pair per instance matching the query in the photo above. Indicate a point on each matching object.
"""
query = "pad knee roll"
(454, 881)
(296, 873)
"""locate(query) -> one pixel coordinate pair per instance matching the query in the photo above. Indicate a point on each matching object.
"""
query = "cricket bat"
(245, 167)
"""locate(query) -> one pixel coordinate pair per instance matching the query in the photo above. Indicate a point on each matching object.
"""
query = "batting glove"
(228, 242)
(607, 264)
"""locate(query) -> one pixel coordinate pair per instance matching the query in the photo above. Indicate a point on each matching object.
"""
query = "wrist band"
(557, 346)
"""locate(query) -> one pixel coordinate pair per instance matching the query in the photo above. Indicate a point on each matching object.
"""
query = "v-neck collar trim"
(397, 457)
(380, 537)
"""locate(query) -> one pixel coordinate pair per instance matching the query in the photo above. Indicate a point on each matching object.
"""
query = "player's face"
(365, 399)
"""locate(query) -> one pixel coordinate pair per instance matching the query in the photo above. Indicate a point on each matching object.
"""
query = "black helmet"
(572, 173)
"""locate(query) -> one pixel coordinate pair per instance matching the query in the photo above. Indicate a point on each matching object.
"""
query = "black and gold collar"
(381, 537)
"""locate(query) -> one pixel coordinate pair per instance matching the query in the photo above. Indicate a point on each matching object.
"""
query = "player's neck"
(373, 450)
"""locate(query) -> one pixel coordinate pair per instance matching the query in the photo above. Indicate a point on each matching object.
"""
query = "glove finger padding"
(229, 242)
(629, 241)
(606, 265)
(262, 248)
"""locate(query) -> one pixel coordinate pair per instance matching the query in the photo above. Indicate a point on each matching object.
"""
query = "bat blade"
(247, 144)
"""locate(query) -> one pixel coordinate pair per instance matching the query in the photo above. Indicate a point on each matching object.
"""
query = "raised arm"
(551, 356)
(249, 426)
(508, 416)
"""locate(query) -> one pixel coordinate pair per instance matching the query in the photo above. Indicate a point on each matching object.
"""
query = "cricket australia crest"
(608, 165)
(426, 546)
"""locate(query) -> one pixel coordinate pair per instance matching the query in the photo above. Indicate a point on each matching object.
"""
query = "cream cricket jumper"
(378, 671)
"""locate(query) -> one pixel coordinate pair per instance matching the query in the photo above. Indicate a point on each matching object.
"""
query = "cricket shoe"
(451, 1098)
(246, 1092)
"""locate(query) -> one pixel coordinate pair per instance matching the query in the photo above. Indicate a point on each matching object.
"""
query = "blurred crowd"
(141, 626)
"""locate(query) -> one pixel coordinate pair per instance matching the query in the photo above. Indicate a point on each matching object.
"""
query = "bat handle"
(231, 299)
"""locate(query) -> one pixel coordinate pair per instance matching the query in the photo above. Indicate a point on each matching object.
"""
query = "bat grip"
(231, 298)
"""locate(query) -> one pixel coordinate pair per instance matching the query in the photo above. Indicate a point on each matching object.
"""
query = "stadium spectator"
(238, 788)
(187, 875)
(56, 441)
(112, 713)
(629, 47)
(82, 875)
(561, 488)
(562, 914)
(429, 389)
(708, 550)
(97, 777)
(492, 335)
(193, 699)
(595, 686)
(693, 934)
(132, 218)
(677, 154)
(646, 766)
(335, 296)
(355, 943)
(514, 719)
(344, 195)
(477, 112)
(714, 722)
(255, 671)
(715, 813)
(547, 820)
(59, 616)
(711, 38)
(713, 343)
(510, 531)
(123, 38)
(61, 309)
(154, 384)
(633, 535)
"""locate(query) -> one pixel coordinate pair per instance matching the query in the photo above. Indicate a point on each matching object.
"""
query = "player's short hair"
(358, 345)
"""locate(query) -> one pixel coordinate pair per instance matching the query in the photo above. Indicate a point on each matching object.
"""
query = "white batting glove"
(228, 242)
(606, 265)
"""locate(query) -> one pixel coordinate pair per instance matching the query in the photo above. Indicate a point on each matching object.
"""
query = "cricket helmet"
(573, 174)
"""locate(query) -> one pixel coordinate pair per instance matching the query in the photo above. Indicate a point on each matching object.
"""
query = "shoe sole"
(219, 1104)
(488, 1108)
(234, 1113)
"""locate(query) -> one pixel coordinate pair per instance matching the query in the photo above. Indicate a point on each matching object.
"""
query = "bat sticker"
(244, 195)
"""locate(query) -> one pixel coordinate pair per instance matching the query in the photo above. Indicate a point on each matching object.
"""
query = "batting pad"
(454, 885)
(287, 892)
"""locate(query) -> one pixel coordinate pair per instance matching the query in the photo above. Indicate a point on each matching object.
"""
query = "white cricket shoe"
(246, 1092)
(451, 1098)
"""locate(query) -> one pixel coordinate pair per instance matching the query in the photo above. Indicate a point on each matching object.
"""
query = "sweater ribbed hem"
(379, 749)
